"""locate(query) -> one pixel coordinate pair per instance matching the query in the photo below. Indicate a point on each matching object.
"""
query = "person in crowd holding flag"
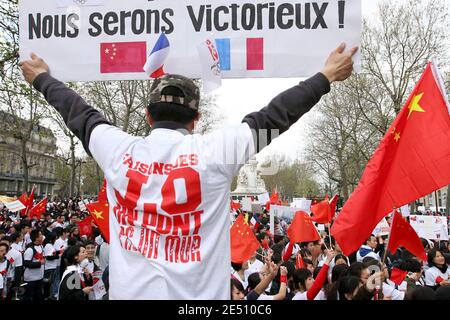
(255, 278)
(254, 265)
(438, 274)
(34, 262)
(307, 288)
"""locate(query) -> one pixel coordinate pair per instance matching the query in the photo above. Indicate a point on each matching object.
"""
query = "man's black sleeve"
(31, 265)
(79, 116)
(286, 108)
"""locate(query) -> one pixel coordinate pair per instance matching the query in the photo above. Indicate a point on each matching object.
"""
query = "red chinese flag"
(120, 57)
(85, 227)
(412, 160)
(243, 241)
(398, 275)
(403, 235)
(100, 213)
(38, 209)
(302, 228)
(24, 199)
(321, 211)
(274, 197)
(30, 201)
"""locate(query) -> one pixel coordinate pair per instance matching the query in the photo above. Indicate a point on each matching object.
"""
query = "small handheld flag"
(155, 61)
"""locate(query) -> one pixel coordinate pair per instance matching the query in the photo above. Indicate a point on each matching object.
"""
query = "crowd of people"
(318, 270)
(49, 259)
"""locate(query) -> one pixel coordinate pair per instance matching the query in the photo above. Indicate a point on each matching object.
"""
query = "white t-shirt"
(244, 282)
(171, 238)
(300, 296)
(433, 273)
(49, 251)
(59, 245)
(256, 266)
(390, 291)
(265, 297)
(17, 246)
(37, 273)
(16, 259)
(55, 225)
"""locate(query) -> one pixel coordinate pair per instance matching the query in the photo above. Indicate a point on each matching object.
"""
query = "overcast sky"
(238, 97)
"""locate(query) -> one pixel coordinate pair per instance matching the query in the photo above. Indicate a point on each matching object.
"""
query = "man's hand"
(32, 68)
(339, 65)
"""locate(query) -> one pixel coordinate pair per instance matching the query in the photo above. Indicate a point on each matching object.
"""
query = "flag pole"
(436, 200)
(380, 294)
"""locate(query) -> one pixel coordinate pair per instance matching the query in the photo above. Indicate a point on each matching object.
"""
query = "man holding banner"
(168, 192)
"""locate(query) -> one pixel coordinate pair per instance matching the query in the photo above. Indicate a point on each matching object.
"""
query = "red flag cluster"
(324, 211)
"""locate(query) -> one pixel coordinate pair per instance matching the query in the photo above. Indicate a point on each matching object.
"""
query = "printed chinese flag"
(119, 57)
(38, 209)
(322, 211)
(100, 213)
(398, 275)
(302, 228)
(333, 204)
(403, 235)
(243, 241)
(85, 227)
(29, 203)
(412, 160)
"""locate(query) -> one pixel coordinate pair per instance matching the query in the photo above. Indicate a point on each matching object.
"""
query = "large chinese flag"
(403, 235)
(243, 241)
(38, 209)
(120, 57)
(412, 160)
(302, 229)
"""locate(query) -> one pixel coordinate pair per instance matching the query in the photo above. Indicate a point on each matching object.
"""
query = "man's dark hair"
(236, 266)
(165, 111)
(369, 238)
(88, 243)
(5, 245)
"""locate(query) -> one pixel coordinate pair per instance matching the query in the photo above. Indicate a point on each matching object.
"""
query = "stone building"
(41, 158)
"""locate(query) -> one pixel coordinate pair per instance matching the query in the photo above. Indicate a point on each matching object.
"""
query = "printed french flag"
(241, 53)
(155, 61)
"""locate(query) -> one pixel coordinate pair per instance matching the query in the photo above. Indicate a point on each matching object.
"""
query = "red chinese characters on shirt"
(180, 225)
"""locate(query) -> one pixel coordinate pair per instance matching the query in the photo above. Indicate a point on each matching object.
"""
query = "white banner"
(382, 228)
(263, 198)
(430, 227)
(14, 206)
(302, 204)
(85, 40)
(246, 204)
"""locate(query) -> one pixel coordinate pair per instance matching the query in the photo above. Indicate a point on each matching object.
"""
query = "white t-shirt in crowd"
(244, 281)
(16, 259)
(433, 273)
(17, 247)
(390, 291)
(300, 296)
(55, 225)
(171, 238)
(49, 251)
(265, 297)
(59, 245)
(37, 273)
(256, 266)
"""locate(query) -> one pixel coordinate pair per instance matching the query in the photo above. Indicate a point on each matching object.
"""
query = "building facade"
(41, 154)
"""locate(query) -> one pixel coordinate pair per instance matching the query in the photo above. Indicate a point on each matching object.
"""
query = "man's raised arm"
(80, 117)
(286, 108)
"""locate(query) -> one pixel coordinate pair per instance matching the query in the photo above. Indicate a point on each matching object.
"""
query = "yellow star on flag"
(397, 136)
(414, 105)
(98, 214)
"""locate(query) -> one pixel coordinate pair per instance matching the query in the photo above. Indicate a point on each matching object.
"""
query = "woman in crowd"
(438, 274)
(73, 285)
(306, 288)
